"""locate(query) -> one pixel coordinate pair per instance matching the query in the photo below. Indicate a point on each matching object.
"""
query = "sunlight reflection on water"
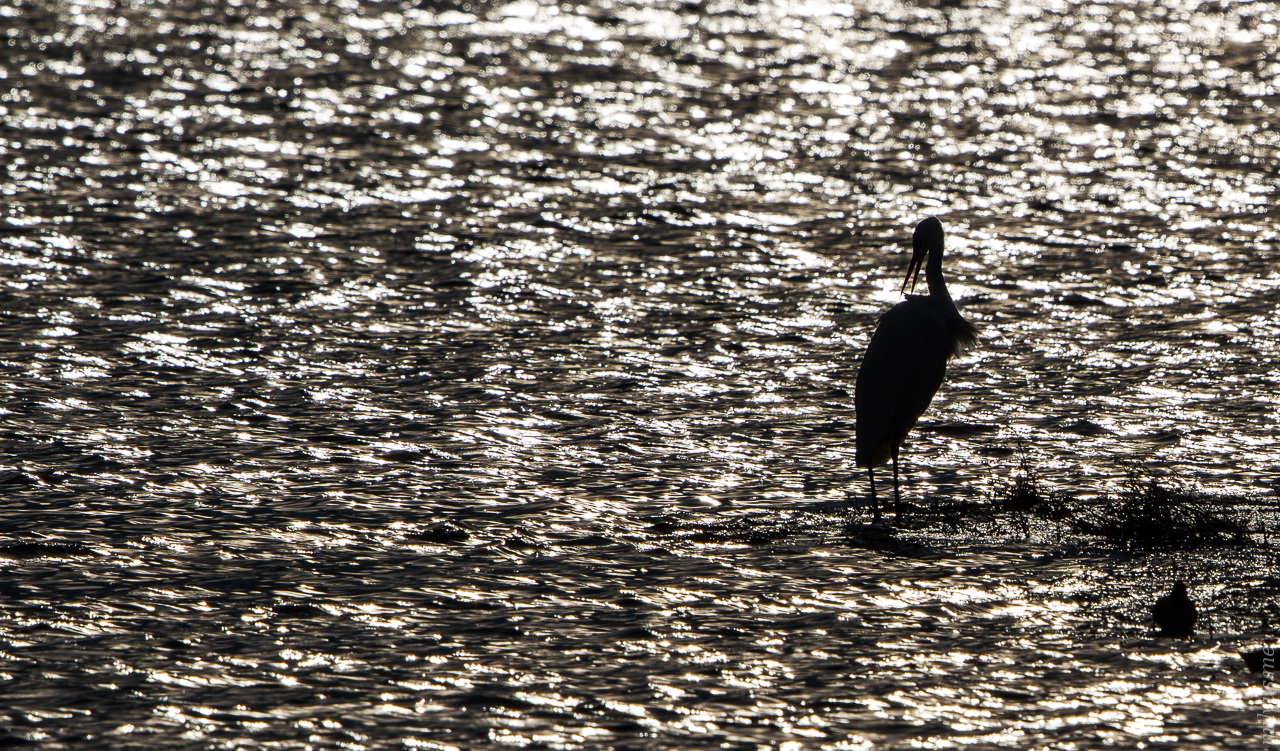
(383, 375)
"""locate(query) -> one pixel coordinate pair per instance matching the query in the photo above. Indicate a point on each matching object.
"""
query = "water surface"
(396, 375)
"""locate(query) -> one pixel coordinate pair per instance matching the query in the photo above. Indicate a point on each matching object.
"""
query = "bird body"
(896, 383)
(1175, 614)
(906, 360)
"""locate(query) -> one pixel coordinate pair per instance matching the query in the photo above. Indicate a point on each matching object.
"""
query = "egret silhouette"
(1175, 613)
(906, 360)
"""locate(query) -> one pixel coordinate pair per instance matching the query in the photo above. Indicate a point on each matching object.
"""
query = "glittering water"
(396, 375)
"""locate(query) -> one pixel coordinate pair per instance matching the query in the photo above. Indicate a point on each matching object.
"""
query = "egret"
(1175, 613)
(906, 360)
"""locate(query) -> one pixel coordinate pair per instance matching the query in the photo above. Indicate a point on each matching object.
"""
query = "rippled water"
(396, 375)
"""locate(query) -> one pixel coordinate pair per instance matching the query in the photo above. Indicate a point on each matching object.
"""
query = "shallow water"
(481, 374)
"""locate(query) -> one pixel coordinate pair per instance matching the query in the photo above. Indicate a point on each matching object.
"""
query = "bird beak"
(913, 269)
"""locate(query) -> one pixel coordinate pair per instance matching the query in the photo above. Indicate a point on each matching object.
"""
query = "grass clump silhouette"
(1025, 497)
(1149, 515)
(1026, 493)
(1146, 515)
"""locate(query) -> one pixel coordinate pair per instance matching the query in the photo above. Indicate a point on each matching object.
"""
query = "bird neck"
(937, 285)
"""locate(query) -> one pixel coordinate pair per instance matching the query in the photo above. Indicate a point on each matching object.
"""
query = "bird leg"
(875, 505)
(897, 499)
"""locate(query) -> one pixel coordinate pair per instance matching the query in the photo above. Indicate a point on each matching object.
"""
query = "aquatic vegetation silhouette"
(1150, 515)
(1146, 515)
(1022, 493)
(1026, 493)
(1026, 497)
(751, 529)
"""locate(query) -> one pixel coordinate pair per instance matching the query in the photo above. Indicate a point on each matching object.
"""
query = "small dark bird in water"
(1262, 660)
(906, 360)
(1175, 613)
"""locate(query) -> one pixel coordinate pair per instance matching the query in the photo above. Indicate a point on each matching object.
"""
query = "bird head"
(926, 238)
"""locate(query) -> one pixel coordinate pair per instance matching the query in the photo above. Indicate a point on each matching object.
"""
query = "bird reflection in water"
(906, 360)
